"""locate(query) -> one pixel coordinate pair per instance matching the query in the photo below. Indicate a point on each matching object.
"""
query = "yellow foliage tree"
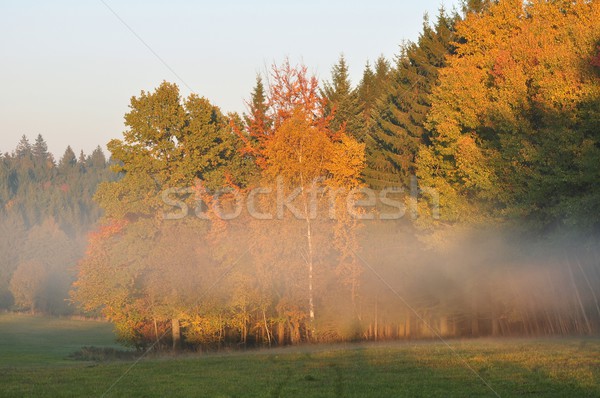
(504, 116)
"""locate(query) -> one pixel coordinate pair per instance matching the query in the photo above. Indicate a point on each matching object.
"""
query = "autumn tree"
(43, 276)
(13, 232)
(172, 144)
(302, 155)
(506, 117)
(28, 283)
(169, 143)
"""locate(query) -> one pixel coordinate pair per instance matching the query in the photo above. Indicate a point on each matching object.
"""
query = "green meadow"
(36, 361)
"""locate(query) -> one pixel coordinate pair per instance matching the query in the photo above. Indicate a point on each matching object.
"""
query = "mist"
(246, 282)
(480, 283)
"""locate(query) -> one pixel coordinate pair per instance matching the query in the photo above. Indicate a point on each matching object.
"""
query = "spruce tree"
(370, 90)
(68, 159)
(257, 120)
(40, 150)
(23, 148)
(97, 159)
(342, 101)
(398, 128)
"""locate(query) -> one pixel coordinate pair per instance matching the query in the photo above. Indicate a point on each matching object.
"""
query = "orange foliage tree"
(299, 153)
(504, 117)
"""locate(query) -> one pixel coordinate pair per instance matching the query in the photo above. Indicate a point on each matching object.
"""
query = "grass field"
(34, 362)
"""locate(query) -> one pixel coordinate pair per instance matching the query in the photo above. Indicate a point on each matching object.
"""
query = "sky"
(68, 69)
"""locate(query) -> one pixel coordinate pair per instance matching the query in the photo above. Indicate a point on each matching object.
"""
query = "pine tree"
(370, 90)
(257, 120)
(40, 150)
(42, 159)
(398, 129)
(97, 159)
(366, 92)
(82, 162)
(342, 102)
(23, 148)
(372, 87)
(68, 160)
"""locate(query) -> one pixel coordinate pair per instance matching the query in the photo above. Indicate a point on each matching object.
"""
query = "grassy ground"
(38, 340)
(33, 352)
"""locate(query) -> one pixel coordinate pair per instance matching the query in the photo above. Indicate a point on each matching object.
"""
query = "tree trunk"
(281, 333)
(444, 329)
(376, 329)
(156, 331)
(267, 331)
(176, 333)
(475, 325)
(495, 326)
(309, 261)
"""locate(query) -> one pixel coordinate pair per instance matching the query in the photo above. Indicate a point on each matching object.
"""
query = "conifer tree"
(23, 148)
(40, 150)
(97, 160)
(398, 129)
(372, 87)
(342, 101)
(257, 119)
(67, 161)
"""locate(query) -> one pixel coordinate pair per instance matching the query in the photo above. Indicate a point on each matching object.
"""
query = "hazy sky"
(69, 68)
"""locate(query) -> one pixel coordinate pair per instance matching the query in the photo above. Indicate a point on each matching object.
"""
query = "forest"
(453, 192)
(47, 209)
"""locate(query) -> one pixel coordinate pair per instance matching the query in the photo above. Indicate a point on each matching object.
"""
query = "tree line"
(485, 128)
(493, 110)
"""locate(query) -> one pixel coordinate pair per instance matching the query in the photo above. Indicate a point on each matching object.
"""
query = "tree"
(506, 120)
(399, 129)
(257, 120)
(43, 161)
(34, 192)
(13, 233)
(169, 143)
(476, 6)
(342, 102)
(49, 251)
(97, 159)
(68, 161)
(372, 87)
(27, 285)
(23, 148)
(303, 154)
(40, 150)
